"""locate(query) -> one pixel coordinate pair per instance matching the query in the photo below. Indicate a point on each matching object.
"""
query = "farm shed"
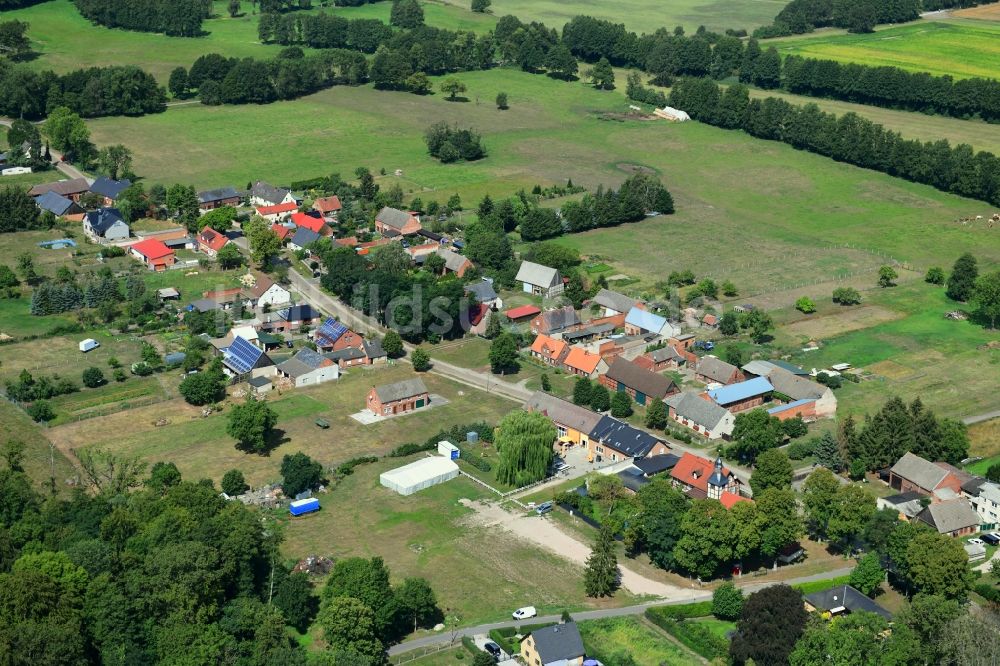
(418, 475)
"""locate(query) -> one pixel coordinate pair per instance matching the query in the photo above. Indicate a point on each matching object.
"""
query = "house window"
(560, 431)
(386, 411)
(600, 449)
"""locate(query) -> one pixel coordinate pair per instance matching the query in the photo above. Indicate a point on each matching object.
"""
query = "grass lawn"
(478, 574)
(960, 48)
(919, 353)
(200, 446)
(980, 467)
(29, 180)
(450, 657)
(17, 321)
(720, 628)
(61, 355)
(40, 460)
(607, 639)
(644, 16)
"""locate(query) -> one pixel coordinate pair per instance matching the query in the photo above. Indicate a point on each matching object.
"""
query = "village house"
(292, 318)
(984, 496)
(60, 206)
(328, 336)
(615, 441)
(913, 473)
(314, 224)
(398, 398)
(795, 388)
(397, 222)
(71, 189)
(212, 199)
(224, 299)
(587, 334)
(153, 253)
(483, 292)
(712, 370)
(264, 194)
(265, 292)
(954, 517)
(843, 600)
(682, 342)
(615, 303)
(760, 368)
(105, 224)
(243, 360)
(328, 207)
(308, 367)
(276, 212)
(302, 239)
(642, 471)
(211, 241)
(454, 263)
(659, 360)
(700, 478)
(282, 231)
(802, 409)
(573, 423)
(641, 322)
(476, 318)
(539, 280)
(555, 322)
(556, 645)
(624, 376)
(522, 313)
(348, 357)
(628, 347)
(703, 416)
(742, 396)
(549, 350)
(109, 189)
(582, 363)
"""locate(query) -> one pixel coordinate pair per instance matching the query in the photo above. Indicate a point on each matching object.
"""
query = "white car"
(524, 613)
(978, 542)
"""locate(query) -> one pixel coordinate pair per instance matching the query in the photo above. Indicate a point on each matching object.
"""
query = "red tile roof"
(477, 312)
(152, 249)
(710, 319)
(692, 470)
(327, 204)
(523, 311)
(277, 209)
(350, 241)
(212, 239)
(308, 221)
(281, 230)
(548, 347)
(729, 499)
(581, 359)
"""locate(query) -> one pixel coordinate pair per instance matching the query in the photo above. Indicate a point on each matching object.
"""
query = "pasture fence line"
(419, 653)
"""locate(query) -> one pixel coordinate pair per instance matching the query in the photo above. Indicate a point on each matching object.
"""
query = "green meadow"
(961, 48)
(641, 15)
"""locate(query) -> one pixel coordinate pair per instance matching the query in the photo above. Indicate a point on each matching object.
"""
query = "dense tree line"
(181, 18)
(221, 80)
(96, 91)
(801, 16)
(640, 194)
(666, 55)
(18, 211)
(142, 570)
(323, 31)
(451, 144)
(848, 138)
(893, 87)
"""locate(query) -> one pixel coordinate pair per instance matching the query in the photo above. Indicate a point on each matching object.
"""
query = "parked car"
(559, 467)
(978, 542)
(543, 508)
(494, 650)
(524, 613)
(992, 538)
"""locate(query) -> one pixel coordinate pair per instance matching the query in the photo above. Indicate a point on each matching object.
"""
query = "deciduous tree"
(772, 469)
(770, 624)
(251, 425)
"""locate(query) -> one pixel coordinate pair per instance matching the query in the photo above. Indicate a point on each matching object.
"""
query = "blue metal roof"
(740, 391)
(647, 321)
(790, 405)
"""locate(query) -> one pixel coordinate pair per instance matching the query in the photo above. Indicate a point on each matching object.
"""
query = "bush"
(450, 144)
(409, 449)
(727, 602)
(93, 377)
(801, 450)
(347, 468)
(805, 305)
(41, 411)
(846, 296)
(233, 483)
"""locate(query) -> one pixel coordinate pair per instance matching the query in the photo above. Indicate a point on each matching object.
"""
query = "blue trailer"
(303, 506)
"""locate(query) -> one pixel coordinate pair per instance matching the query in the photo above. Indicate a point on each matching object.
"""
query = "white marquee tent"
(418, 475)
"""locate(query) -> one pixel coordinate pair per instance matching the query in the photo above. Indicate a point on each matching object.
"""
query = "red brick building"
(398, 398)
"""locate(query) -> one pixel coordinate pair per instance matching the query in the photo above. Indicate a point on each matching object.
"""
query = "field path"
(547, 534)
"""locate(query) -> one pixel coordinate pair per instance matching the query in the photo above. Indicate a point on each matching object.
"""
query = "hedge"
(696, 637)
(988, 592)
(470, 645)
(681, 611)
(409, 449)
(347, 468)
(505, 639)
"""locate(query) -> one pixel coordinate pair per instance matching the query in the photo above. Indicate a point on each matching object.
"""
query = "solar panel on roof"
(331, 330)
(242, 355)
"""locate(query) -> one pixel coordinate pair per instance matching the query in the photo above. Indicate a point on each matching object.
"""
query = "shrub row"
(347, 468)
(680, 611)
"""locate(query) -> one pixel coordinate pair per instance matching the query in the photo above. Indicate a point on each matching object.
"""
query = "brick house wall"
(397, 406)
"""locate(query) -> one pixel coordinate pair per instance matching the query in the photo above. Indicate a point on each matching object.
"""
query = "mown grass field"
(961, 48)
(643, 16)
(200, 446)
(477, 573)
